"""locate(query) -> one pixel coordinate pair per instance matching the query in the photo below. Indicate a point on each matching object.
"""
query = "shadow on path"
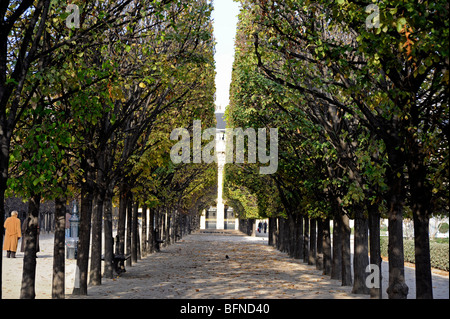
(197, 267)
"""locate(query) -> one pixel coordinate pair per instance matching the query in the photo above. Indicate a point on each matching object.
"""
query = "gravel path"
(197, 268)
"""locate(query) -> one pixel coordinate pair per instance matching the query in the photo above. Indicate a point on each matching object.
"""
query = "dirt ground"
(196, 267)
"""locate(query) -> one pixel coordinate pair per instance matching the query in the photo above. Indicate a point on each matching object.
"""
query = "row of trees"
(86, 112)
(361, 102)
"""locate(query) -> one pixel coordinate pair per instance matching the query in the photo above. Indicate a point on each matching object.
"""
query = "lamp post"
(74, 221)
(72, 241)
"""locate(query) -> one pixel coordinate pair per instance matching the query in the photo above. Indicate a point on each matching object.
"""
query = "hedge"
(438, 252)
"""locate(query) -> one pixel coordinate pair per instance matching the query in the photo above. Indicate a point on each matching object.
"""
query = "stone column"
(203, 220)
(220, 207)
(220, 148)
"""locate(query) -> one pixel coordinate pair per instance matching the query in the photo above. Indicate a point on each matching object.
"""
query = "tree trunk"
(360, 253)
(27, 290)
(175, 226)
(138, 245)
(375, 249)
(157, 231)
(151, 231)
(271, 225)
(144, 231)
(122, 219)
(134, 232)
(326, 247)
(4, 164)
(168, 227)
(292, 245)
(129, 226)
(397, 288)
(336, 265)
(319, 254)
(285, 236)
(346, 253)
(109, 240)
(280, 234)
(58, 280)
(84, 239)
(424, 288)
(276, 232)
(306, 241)
(96, 247)
(421, 195)
(312, 242)
(168, 223)
(162, 226)
(299, 237)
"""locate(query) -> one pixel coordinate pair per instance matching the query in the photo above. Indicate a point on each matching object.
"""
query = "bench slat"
(119, 257)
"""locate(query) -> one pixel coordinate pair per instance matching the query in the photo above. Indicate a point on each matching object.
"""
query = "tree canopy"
(359, 93)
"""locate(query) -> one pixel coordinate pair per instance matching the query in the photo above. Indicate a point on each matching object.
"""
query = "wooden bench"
(119, 262)
(158, 243)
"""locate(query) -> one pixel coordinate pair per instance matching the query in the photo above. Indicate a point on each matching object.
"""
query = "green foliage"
(439, 253)
(342, 95)
(99, 102)
(443, 228)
